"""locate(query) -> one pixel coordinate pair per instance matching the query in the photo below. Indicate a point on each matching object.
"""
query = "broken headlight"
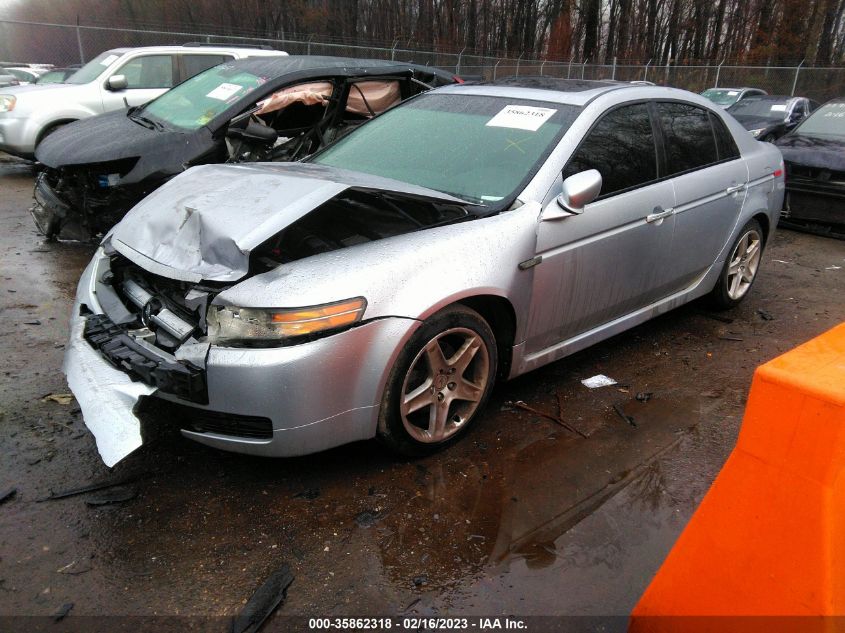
(229, 325)
(7, 103)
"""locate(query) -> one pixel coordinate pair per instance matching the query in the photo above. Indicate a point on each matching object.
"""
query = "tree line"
(775, 32)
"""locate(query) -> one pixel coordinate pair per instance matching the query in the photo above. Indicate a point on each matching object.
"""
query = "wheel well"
(52, 125)
(763, 219)
(500, 315)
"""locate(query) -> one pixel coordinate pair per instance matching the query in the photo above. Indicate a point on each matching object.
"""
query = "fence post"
(718, 72)
(393, 50)
(795, 82)
(613, 72)
(666, 76)
(569, 69)
(542, 66)
(458, 67)
(518, 59)
(583, 67)
(496, 68)
(645, 74)
(310, 37)
(79, 42)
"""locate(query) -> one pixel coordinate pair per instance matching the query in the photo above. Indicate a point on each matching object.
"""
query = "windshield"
(193, 103)
(52, 77)
(477, 148)
(721, 97)
(774, 109)
(92, 70)
(22, 75)
(829, 120)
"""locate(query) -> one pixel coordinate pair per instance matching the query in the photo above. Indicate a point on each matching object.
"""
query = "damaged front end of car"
(81, 202)
(152, 316)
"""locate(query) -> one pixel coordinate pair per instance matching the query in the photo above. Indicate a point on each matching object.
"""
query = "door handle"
(735, 189)
(658, 214)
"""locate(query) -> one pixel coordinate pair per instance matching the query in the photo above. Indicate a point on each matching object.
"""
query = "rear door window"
(688, 136)
(725, 144)
(195, 64)
(621, 147)
(149, 71)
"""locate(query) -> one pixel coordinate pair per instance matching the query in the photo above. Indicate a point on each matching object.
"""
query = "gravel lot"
(521, 517)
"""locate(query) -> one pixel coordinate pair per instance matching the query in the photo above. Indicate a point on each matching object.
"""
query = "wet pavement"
(521, 517)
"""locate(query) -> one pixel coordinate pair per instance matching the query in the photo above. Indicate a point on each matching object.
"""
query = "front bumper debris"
(124, 352)
(107, 397)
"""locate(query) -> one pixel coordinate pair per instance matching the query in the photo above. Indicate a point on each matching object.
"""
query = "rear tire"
(439, 384)
(740, 270)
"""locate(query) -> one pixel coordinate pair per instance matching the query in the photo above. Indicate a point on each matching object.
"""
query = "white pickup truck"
(115, 79)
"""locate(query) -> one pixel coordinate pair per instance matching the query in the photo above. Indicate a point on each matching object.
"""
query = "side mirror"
(579, 190)
(116, 83)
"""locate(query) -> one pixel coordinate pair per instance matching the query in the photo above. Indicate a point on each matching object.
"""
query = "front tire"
(440, 382)
(740, 268)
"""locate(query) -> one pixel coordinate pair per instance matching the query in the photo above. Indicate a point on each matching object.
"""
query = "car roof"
(175, 48)
(272, 67)
(771, 98)
(577, 92)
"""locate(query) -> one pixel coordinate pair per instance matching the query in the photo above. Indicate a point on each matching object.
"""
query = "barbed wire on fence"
(68, 44)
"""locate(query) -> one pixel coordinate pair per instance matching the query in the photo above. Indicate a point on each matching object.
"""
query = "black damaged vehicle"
(814, 158)
(257, 109)
(768, 117)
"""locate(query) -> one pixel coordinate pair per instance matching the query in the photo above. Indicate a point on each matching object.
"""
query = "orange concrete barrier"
(769, 537)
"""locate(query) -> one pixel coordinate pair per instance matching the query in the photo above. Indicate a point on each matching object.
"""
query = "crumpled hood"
(813, 151)
(203, 224)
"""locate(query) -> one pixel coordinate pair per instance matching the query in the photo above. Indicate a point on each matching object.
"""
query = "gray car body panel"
(327, 392)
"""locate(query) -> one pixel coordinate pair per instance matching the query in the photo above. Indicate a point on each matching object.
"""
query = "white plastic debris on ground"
(106, 397)
(597, 381)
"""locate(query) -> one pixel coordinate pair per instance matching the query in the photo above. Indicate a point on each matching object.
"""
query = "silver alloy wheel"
(444, 385)
(744, 262)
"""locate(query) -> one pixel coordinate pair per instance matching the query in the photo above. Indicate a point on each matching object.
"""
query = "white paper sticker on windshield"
(779, 107)
(521, 117)
(733, 93)
(108, 60)
(223, 91)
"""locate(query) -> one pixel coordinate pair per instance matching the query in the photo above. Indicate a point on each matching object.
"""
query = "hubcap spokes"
(743, 264)
(444, 385)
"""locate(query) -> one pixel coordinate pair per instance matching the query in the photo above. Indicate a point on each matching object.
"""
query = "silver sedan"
(381, 287)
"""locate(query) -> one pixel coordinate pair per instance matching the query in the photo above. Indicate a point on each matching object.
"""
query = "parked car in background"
(115, 79)
(25, 76)
(768, 117)
(814, 154)
(7, 79)
(56, 76)
(381, 286)
(726, 97)
(268, 109)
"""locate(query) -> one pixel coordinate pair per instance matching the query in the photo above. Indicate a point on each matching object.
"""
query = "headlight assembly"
(252, 327)
(758, 132)
(7, 103)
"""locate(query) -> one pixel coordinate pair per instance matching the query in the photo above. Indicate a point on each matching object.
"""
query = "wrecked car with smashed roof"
(380, 288)
(259, 109)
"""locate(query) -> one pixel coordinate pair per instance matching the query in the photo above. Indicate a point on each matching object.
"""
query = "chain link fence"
(64, 45)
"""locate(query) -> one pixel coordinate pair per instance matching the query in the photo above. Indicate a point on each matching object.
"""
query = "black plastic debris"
(266, 599)
(419, 581)
(309, 494)
(8, 494)
(113, 495)
(61, 614)
(766, 316)
(629, 419)
(32, 322)
(81, 491)
(644, 396)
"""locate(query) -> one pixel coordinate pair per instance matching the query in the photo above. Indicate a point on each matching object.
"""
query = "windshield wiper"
(145, 121)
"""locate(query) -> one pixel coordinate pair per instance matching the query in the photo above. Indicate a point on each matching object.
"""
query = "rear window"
(688, 136)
